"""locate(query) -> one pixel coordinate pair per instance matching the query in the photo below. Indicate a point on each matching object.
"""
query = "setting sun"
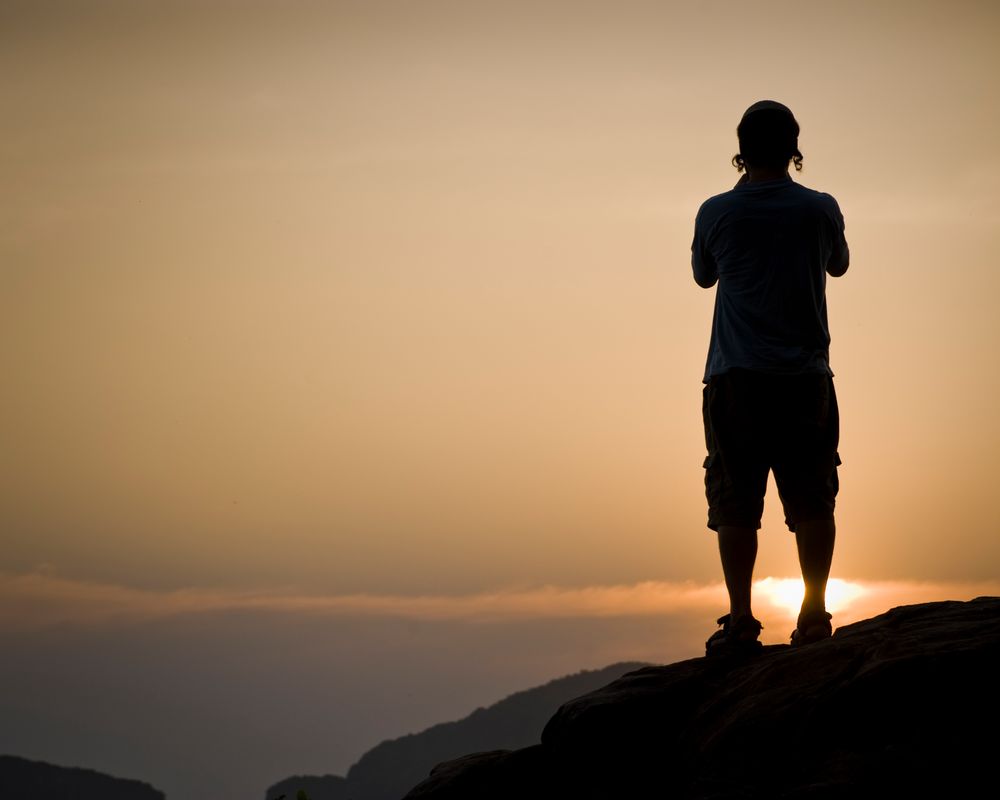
(786, 593)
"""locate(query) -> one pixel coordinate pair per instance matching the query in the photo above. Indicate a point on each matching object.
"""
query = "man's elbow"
(838, 267)
(706, 281)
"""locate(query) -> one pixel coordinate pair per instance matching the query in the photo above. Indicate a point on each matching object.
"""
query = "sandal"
(813, 627)
(740, 637)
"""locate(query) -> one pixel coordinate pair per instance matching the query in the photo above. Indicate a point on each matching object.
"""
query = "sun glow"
(786, 593)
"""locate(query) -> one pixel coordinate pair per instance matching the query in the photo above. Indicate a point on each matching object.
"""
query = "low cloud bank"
(41, 599)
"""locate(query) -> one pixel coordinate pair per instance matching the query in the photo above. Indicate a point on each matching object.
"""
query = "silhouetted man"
(768, 400)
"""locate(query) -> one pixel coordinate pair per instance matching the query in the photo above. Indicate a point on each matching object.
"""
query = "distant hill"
(901, 705)
(391, 768)
(23, 779)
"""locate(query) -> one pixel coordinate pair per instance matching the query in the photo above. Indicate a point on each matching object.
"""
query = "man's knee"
(813, 527)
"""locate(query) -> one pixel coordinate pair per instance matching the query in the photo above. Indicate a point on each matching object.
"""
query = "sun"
(786, 593)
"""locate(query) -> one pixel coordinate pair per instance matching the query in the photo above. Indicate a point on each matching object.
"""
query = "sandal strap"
(726, 622)
(809, 623)
(814, 618)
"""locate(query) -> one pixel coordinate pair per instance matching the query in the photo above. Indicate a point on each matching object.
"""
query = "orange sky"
(394, 298)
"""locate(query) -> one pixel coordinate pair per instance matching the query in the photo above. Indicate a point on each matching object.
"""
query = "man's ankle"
(812, 609)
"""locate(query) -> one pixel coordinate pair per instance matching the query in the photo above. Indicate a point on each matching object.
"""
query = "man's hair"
(769, 137)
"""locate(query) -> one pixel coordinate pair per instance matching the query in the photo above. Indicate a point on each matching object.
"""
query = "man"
(768, 400)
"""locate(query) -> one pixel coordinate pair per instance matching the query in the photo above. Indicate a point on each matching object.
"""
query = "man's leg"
(814, 539)
(738, 550)
(735, 483)
(806, 475)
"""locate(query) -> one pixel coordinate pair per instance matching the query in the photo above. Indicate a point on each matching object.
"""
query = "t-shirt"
(769, 245)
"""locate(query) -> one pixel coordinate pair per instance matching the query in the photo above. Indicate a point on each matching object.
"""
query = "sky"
(353, 358)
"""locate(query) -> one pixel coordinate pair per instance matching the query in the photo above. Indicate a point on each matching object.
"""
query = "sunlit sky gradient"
(393, 300)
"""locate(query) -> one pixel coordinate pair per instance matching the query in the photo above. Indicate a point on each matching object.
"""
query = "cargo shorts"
(756, 422)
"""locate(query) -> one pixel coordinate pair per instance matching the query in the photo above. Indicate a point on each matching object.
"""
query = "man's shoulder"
(823, 199)
(790, 192)
(715, 205)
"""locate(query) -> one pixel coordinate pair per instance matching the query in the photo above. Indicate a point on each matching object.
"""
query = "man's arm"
(706, 272)
(840, 256)
(839, 263)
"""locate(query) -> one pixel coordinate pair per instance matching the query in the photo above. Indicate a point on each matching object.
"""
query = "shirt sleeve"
(840, 255)
(706, 271)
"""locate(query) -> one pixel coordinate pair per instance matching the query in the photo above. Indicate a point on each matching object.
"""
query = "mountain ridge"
(390, 768)
(42, 780)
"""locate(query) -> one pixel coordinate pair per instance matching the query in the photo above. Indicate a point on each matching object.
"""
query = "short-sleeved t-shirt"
(769, 244)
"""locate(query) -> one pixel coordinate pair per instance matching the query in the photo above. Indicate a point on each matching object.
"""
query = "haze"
(311, 301)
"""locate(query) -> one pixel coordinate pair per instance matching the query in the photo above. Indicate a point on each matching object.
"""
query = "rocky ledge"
(904, 702)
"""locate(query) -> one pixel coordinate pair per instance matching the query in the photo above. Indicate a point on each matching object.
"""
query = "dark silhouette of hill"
(390, 768)
(39, 780)
(903, 704)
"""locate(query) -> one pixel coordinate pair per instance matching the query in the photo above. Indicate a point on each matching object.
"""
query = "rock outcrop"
(905, 702)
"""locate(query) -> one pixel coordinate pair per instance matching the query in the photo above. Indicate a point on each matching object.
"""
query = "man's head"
(769, 137)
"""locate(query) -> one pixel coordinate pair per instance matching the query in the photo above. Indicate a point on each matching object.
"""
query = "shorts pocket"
(713, 482)
(834, 477)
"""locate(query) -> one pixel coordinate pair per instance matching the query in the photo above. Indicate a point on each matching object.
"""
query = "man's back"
(769, 403)
(770, 245)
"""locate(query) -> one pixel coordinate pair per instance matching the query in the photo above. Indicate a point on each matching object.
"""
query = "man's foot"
(813, 626)
(735, 637)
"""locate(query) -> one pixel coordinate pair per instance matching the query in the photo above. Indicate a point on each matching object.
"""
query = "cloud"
(41, 599)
